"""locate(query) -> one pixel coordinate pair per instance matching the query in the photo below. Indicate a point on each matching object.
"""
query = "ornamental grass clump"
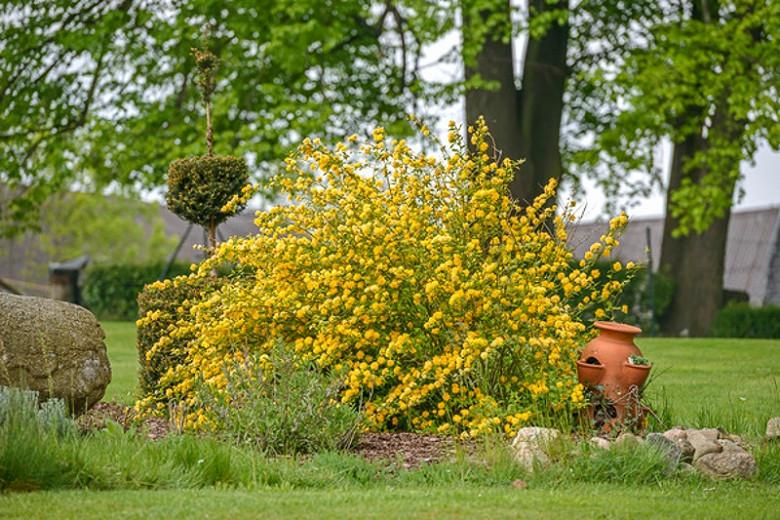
(446, 305)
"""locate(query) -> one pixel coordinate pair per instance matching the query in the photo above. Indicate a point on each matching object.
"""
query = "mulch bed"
(409, 450)
(97, 417)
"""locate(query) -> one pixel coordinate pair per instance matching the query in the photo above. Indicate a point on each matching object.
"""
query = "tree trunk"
(697, 266)
(696, 262)
(494, 64)
(541, 106)
(525, 123)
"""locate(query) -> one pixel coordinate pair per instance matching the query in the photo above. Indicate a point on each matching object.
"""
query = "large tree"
(538, 115)
(706, 77)
(100, 93)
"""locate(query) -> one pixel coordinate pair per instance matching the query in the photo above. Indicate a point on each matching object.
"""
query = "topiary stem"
(209, 131)
(212, 237)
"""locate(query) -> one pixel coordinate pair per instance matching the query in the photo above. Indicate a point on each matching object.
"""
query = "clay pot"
(604, 364)
(589, 374)
(635, 375)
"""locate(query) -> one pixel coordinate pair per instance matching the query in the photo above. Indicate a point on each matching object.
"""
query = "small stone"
(710, 434)
(669, 448)
(600, 442)
(686, 450)
(519, 484)
(704, 442)
(676, 434)
(773, 428)
(531, 445)
(628, 439)
(731, 462)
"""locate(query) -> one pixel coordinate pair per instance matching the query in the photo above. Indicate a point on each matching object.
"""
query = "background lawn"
(120, 341)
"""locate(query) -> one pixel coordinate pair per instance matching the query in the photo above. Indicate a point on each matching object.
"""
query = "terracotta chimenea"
(606, 368)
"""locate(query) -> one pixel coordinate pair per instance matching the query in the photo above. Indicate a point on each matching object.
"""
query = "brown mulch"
(409, 450)
(99, 415)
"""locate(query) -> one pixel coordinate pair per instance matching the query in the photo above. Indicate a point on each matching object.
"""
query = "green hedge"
(170, 301)
(110, 291)
(740, 320)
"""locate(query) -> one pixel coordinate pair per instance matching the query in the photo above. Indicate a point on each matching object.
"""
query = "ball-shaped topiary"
(200, 187)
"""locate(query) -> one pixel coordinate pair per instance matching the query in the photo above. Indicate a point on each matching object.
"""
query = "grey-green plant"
(282, 406)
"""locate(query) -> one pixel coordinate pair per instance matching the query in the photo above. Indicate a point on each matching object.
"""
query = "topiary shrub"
(448, 307)
(161, 335)
(111, 291)
(200, 187)
(207, 190)
(740, 320)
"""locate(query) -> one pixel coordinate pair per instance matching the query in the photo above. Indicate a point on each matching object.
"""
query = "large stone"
(670, 449)
(773, 428)
(55, 348)
(531, 445)
(731, 462)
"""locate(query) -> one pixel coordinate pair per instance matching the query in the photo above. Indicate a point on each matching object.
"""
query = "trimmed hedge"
(162, 307)
(740, 320)
(110, 290)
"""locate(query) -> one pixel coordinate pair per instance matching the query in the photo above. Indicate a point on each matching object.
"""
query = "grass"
(710, 382)
(579, 501)
(707, 382)
(120, 342)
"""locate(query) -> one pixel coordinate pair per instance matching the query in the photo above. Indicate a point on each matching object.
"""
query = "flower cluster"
(447, 306)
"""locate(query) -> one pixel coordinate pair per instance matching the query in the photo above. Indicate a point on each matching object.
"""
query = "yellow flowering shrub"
(448, 306)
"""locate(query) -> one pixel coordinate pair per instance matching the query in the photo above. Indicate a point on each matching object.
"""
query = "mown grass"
(711, 382)
(708, 382)
(120, 342)
(577, 501)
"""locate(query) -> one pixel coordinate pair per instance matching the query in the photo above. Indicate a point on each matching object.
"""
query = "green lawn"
(120, 341)
(731, 383)
(593, 501)
(704, 382)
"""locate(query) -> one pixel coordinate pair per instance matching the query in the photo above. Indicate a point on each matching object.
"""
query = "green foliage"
(768, 460)
(639, 465)
(284, 408)
(111, 290)
(29, 438)
(636, 294)
(166, 303)
(717, 62)
(200, 187)
(109, 229)
(740, 320)
(123, 103)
